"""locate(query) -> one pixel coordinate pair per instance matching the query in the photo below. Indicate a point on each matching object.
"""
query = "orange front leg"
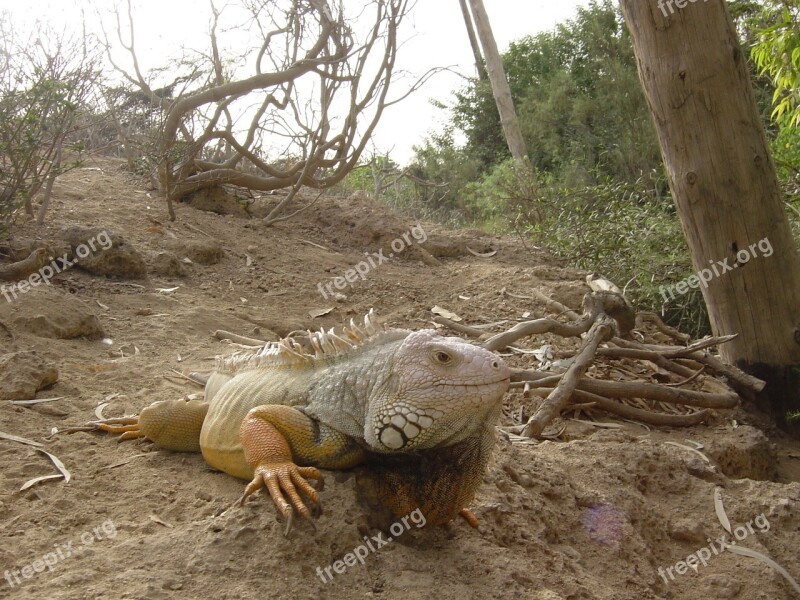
(275, 438)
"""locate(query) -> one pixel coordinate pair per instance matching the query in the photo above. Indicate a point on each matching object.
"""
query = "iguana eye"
(442, 357)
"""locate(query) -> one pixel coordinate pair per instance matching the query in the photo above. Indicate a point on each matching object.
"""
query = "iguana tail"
(174, 424)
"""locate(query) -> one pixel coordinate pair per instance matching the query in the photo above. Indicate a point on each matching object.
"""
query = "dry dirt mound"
(600, 516)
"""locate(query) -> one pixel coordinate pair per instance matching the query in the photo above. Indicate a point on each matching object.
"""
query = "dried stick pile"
(609, 321)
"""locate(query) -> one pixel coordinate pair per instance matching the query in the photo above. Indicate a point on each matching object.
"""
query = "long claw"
(282, 481)
(289, 523)
(114, 425)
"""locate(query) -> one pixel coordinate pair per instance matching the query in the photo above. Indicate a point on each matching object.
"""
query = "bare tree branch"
(317, 88)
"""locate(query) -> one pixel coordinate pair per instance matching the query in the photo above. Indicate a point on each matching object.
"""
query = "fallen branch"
(633, 389)
(655, 320)
(594, 304)
(649, 417)
(223, 335)
(602, 330)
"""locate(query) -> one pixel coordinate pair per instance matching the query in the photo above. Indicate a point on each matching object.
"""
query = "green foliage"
(444, 172)
(630, 234)
(597, 196)
(777, 54)
(509, 188)
(580, 104)
(627, 232)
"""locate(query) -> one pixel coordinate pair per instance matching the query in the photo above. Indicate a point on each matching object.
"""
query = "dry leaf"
(35, 480)
(155, 519)
(767, 561)
(98, 411)
(720, 510)
(124, 462)
(59, 465)
(320, 312)
(21, 440)
(480, 255)
(167, 291)
(443, 312)
(693, 450)
(36, 401)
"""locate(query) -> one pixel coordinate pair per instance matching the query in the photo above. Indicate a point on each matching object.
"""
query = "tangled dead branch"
(297, 110)
(608, 318)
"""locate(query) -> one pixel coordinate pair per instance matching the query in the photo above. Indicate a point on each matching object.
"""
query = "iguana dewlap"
(420, 407)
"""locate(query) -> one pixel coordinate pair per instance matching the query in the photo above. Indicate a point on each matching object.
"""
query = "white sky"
(435, 33)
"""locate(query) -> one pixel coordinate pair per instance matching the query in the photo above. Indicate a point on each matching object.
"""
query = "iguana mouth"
(471, 385)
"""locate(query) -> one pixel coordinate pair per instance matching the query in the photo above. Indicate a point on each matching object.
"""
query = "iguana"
(418, 406)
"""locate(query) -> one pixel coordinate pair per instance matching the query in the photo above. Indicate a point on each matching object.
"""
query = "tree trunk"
(473, 40)
(497, 78)
(725, 187)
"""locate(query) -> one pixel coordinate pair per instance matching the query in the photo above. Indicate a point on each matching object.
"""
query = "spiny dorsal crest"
(288, 352)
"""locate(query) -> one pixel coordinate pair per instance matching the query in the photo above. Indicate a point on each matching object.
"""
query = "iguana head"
(441, 390)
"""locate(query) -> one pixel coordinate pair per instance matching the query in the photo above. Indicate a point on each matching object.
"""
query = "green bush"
(627, 232)
(630, 234)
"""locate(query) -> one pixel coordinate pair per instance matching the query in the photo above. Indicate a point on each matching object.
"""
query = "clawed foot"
(284, 478)
(127, 427)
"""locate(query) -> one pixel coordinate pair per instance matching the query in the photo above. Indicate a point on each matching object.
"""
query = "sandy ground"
(594, 515)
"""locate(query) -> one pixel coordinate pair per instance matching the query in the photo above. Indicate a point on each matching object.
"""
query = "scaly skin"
(418, 407)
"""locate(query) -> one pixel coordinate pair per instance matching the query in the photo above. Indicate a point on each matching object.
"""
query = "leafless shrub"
(46, 80)
(297, 109)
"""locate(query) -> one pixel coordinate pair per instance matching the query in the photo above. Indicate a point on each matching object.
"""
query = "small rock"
(203, 252)
(744, 453)
(50, 313)
(720, 586)
(101, 252)
(168, 264)
(22, 374)
(245, 532)
(687, 530)
(172, 585)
